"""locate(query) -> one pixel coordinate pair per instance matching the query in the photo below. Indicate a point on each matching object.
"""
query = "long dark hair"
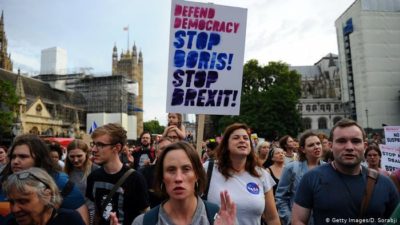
(39, 152)
(222, 153)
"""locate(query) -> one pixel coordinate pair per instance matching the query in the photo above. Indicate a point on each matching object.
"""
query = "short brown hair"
(116, 131)
(222, 153)
(346, 123)
(194, 159)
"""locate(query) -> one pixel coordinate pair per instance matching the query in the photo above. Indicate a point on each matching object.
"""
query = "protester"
(131, 198)
(335, 191)
(143, 154)
(262, 150)
(175, 124)
(35, 199)
(276, 160)
(3, 157)
(327, 155)
(180, 177)
(56, 153)
(250, 186)
(28, 151)
(310, 151)
(209, 154)
(173, 134)
(78, 166)
(149, 173)
(395, 176)
(289, 146)
(373, 157)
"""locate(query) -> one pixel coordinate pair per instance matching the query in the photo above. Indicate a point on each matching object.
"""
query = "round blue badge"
(253, 188)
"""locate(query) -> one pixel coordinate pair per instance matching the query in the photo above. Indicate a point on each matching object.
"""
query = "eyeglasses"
(99, 145)
(26, 175)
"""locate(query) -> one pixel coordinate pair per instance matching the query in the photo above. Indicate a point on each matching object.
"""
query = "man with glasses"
(131, 198)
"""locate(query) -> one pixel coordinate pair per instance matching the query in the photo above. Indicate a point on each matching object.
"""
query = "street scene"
(198, 112)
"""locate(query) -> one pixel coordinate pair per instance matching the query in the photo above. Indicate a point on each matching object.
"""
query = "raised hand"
(227, 212)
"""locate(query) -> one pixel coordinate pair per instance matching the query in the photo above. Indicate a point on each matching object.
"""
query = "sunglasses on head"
(26, 175)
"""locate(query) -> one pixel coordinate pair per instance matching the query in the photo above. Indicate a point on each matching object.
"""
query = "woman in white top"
(250, 186)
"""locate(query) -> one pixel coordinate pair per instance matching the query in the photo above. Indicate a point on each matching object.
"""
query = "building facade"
(5, 57)
(53, 61)
(130, 65)
(320, 103)
(368, 35)
(44, 110)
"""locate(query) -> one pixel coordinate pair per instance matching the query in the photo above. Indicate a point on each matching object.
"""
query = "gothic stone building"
(131, 66)
(320, 103)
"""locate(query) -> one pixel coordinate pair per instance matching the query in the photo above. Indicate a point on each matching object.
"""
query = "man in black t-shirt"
(131, 198)
(144, 154)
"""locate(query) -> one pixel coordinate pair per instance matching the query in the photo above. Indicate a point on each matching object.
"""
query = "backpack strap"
(211, 210)
(114, 189)
(209, 174)
(371, 181)
(151, 217)
(67, 188)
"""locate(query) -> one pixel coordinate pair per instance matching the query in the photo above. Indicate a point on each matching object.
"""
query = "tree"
(153, 126)
(269, 98)
(8, 104)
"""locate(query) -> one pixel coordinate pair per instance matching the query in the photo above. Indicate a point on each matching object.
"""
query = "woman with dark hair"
(250, 185)
(35, 199)
(275, 163)
(310, 152)
(288, 144)
(373, 157)
(30, 151)
(181, 179)
(3, 157)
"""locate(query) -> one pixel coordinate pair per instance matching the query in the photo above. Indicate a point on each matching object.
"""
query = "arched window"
(308, 108)
(314, 108)
(300, 107)
(322, 108)
(322, 123)
(307, 123)
(328, 107)
(336, 107)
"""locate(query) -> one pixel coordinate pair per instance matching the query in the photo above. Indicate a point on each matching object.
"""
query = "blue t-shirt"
(335, 198)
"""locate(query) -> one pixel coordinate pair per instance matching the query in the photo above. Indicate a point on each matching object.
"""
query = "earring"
(161, 186)
(196, 185)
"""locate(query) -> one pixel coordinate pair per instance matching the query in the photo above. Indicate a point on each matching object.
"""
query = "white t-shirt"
(246, 191)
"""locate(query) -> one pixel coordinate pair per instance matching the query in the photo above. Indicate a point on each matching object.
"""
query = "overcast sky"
(293, 31)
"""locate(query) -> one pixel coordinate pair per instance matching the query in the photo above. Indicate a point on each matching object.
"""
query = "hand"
(227, 212)
(114, 219)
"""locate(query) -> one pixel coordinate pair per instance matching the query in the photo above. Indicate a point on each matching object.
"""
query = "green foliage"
(269, 98)
(8, 104)
(153, 126)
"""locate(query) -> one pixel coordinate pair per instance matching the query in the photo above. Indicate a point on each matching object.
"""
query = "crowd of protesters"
(315, 179)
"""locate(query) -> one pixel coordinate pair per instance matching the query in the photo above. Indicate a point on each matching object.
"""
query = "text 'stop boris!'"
(206, 55)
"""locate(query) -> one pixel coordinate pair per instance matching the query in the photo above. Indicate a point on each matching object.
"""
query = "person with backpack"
(181, 178)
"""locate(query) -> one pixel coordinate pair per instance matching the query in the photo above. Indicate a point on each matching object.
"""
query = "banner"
(206, 56)
(392, 135)
(390, 160)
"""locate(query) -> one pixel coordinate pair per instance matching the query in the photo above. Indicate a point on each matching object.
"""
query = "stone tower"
(130, 65)
(5, 59)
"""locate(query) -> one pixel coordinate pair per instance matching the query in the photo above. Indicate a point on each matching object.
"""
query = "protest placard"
(390, 160)
(392, 135)
(206, 56)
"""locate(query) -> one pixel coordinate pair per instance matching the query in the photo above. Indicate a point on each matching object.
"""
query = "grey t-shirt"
(199, 218)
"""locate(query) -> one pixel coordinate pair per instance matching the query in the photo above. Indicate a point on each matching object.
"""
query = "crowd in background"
(164, 180)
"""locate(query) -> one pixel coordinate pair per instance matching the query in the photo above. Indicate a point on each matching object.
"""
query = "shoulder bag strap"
(209, 174)
(116, 186)
(211, 210)
(371, 181)
(151, 217)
